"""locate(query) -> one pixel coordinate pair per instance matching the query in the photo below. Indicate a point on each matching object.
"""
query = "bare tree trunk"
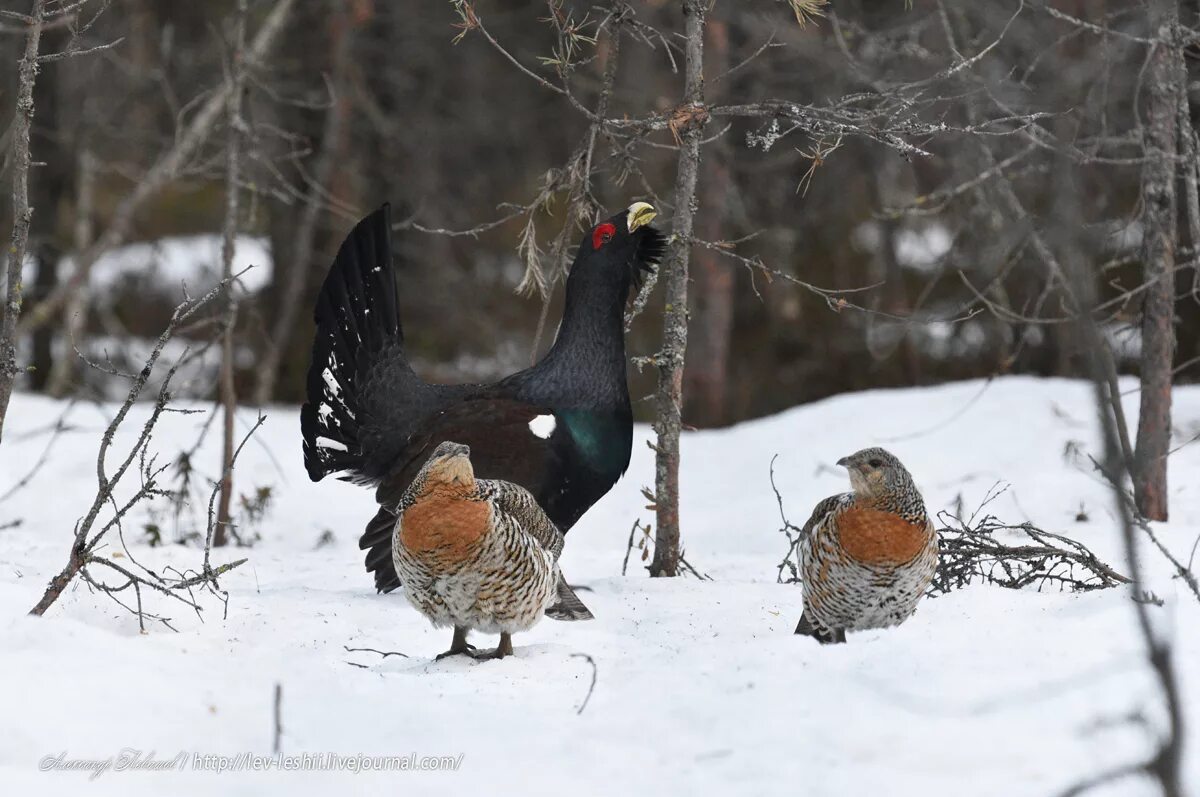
(53, 97)
(22, 213)
(236, 125)
(688, 122)
(46, 256)
(1166, 83)
(75, 313)
(165, 169)
(306, 230)
(894, 349)
(706, 377)
(1165, 764)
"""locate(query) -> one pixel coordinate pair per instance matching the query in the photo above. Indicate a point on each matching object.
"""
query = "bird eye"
(602, 235)
(876, 463)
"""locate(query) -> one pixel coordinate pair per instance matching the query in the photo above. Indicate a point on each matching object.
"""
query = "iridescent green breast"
(604, 439)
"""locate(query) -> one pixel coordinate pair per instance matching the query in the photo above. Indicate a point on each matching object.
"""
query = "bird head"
(620, 250)
(875, 473)
(449, 465)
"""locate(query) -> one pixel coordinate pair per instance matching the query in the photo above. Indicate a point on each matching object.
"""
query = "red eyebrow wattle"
(599, 233)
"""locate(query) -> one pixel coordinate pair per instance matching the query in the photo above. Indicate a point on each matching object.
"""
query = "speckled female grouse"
(562, 429)
(478, 555)
(866, 556)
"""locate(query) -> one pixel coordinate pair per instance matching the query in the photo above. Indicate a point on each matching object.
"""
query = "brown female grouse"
(478, 555)
(868, 555)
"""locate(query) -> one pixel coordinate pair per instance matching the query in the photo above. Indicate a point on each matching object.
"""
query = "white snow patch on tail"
(543, 426)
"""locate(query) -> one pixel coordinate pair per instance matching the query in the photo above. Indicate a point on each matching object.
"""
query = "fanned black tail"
(377, 542)
(356, 317)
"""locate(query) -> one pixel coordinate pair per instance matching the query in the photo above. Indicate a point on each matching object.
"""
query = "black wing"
(503, 445)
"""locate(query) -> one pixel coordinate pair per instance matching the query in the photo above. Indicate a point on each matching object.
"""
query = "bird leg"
(458, 645)
(505, 648)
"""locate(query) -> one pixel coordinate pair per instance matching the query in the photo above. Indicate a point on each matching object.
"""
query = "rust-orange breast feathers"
(444, 520)
(873, 537)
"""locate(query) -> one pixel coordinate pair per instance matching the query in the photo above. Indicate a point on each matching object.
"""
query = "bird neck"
(589, 349)
(905, 503)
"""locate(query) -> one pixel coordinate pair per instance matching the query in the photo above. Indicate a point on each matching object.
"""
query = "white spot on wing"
(543, 426)
(325, 442)
(331, 382)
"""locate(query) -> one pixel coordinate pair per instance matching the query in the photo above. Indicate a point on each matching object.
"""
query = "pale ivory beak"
(640, 214)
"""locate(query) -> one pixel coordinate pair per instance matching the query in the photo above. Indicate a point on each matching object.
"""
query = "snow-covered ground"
(701, 687)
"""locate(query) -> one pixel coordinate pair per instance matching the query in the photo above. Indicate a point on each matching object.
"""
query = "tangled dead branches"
(975, 551)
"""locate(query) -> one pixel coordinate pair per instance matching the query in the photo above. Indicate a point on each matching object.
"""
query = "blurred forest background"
(983, 120)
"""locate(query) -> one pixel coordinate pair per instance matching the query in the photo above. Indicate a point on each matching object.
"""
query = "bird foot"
(467, 650)
(505, 648)
(458, 645)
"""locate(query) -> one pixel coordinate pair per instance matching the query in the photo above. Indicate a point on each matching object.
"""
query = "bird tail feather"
(567, 606)
(807, 627)
(357, 317)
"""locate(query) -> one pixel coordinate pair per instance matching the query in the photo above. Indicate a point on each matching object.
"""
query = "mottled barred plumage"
(478, 554)
(866, 556)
